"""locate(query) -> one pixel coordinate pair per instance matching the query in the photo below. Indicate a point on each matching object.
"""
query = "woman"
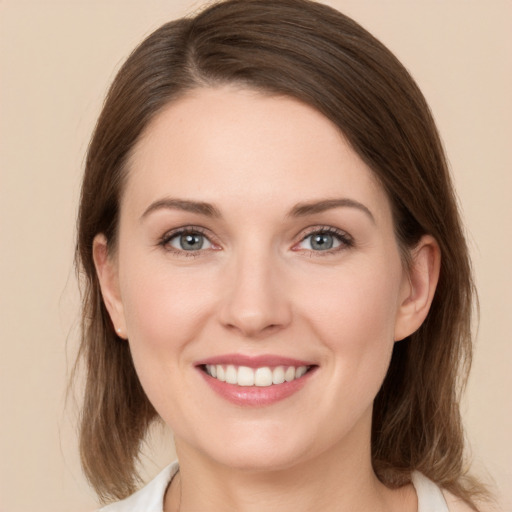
(274, 266)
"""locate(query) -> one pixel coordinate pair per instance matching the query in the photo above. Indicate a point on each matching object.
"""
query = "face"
(257, 279)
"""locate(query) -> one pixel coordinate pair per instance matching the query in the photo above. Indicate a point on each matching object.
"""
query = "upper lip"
(254, 361)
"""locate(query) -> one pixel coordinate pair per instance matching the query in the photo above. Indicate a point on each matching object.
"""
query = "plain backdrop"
(56, 61)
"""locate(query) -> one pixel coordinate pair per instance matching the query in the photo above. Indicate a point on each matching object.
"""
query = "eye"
(187, 240)
(323, 240)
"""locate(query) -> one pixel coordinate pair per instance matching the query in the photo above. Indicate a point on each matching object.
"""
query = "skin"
(258, 286)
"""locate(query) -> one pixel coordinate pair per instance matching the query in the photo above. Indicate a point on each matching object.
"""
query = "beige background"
(56, 59)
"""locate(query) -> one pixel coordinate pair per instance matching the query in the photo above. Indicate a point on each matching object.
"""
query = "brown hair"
(317, 55)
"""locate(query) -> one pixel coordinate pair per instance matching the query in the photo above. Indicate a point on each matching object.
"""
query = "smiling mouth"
(264, 376)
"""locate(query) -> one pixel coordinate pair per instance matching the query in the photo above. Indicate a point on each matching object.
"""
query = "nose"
(255, 302)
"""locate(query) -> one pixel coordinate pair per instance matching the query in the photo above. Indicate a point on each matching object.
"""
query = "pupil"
(190, 242)
(322, 241)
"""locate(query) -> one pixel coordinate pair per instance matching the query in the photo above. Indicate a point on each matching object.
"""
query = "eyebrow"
(303, 209)
(199, 207)
(299, 210)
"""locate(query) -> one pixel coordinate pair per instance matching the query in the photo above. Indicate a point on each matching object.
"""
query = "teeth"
(259, 377)
(278, 375)
(301, 370)
(263, 377)
(289, 374)
(245, 376)
(231, 375)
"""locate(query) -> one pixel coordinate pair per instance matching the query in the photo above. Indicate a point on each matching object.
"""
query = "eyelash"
(188, 230)
(346, 241)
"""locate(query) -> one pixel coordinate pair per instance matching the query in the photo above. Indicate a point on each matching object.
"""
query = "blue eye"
(188, 241)
(325, 240)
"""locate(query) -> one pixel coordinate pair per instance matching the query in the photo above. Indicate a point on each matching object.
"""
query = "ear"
(108, 276)
(418, 287)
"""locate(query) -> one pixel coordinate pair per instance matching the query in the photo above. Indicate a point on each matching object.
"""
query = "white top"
(151, 497)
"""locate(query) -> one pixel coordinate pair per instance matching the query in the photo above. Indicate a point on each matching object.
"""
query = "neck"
(337, 481)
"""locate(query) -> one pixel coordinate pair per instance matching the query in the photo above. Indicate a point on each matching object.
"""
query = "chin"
(261, 461)
(260, 453)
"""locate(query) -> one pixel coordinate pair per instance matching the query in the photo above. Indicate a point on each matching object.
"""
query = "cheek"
(165, 314)
(354, 316)
(360, 301)
(164, 311)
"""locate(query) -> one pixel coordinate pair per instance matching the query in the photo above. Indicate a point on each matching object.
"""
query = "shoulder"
(456, 504)
(150, 498)
(433, 497)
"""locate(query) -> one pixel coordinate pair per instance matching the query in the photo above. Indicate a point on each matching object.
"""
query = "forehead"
(228, 144)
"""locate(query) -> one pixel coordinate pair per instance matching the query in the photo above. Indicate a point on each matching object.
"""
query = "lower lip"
(254, 396)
